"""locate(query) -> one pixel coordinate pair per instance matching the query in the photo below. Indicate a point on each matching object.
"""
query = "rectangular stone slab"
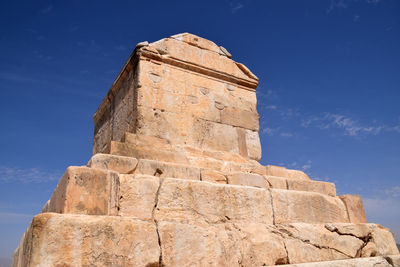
(309, 207)
(204, 202)
(84, 190)
(355, 208)
(80, 240)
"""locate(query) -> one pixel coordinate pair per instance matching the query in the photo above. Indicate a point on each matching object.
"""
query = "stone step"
(84, 190)
(382, 261)
(88, 240)
(80, 240)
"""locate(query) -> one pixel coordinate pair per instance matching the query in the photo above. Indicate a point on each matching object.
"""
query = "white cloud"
(286, 134)
(32, 175)
(350, 126)
(269, 131)
(235, 6)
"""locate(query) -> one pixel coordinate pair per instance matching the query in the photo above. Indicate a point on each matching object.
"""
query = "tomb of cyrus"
(175, 180)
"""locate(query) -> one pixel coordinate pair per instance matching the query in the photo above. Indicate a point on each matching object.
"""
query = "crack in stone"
(156, 222)
(272, 206)
(310, 243)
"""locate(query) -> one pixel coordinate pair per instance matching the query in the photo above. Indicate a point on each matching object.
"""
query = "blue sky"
(328, 95)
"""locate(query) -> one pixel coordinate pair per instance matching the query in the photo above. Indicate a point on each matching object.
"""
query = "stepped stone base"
(175, 180)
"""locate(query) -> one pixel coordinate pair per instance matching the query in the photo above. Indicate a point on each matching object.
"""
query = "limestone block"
(276, 182)
(299, 252)
(319, 236)
(355, 208)
(80, 240)
(203, 202)
(209, 135)
(195, 245)
(213, 176)
(240, 118)
(276, 171)
(139, 152)
(309, 207)
(165, 169)
(249, 179)
(312, 186)
(387, 261)
(147, 140)
(377, 240)
(115, 163)
(84, 190)
(298, 175)
(262, 245)
(137, 195)
(253, 145)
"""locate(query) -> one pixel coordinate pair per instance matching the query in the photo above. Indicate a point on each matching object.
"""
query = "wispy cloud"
(235, 6)
(31, 175)
(350, 126)
(336, 4)
(393, 191)
(285, 134)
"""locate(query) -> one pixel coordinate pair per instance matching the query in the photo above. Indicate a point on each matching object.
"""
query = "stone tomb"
(175, 180)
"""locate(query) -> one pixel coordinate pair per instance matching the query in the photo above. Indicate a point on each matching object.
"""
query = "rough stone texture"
(115, 163)
(312, 186)
(309, 207)
(137, 196)
(277, 182)
(388, 261)
(80, 240)
(209, 175)
(203, 202)
(248, 179)
(355, 208)
(84, 190)
(163, 169)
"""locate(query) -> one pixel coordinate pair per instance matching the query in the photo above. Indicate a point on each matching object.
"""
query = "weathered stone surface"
(248, 179)
(388, 261)
(84, 190)
(131, 150)
(312, 186)
(276, 171)
(80, 240)
(277, 182)
(296, 174)
(309, 207)
(137, 196)
(202, 202)
(355, 208)
(115, 163)
(164, 169)
(213, 176)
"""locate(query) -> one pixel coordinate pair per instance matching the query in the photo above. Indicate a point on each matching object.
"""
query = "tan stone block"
(312, 186)
(137, 195)
(115, 163)
(253, 146)
(79, 240)
(240, 118)
(139, 152)
(377, 240)
(276, 171)
(276, 182)
(147, 140)
(165, 169)
(261, 245)
(298, 175)
(203, 202)
(364, 262)
(355, 208)
(196, 245)
(84, 190)
(247, 179)
(213, 176)
(300, 252)
(309, 207)
(319, 236)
